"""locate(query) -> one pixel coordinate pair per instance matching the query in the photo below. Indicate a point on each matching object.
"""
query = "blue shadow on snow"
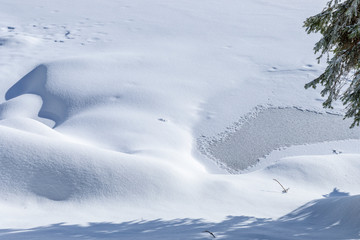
(329, 218)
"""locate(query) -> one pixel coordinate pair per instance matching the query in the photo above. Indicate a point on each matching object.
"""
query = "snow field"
(103, 105)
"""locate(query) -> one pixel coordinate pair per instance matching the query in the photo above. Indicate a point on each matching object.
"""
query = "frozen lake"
(275, 128)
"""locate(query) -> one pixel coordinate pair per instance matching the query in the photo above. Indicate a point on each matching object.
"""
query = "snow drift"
(103, 107)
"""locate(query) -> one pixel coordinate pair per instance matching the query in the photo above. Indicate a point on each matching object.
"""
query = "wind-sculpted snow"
(26, 105)
(102, 103)
(53, 107)
(52, 166)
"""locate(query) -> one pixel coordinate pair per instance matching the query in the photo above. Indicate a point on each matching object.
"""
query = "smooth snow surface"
(105, 105)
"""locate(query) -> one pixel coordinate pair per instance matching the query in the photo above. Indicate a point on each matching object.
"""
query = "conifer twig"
(284, 190)
(213, 235)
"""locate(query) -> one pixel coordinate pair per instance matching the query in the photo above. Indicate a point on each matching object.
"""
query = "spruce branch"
(339, 25)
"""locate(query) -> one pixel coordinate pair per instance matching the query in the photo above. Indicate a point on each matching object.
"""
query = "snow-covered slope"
(105, 105)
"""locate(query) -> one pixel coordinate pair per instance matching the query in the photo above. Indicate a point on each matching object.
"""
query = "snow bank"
(43, 163)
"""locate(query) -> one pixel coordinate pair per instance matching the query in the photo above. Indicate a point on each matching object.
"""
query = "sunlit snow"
(117, 119)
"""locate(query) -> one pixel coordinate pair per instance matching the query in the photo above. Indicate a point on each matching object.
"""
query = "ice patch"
(276, 128)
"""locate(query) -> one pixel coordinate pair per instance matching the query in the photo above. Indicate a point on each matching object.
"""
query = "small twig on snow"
(210, 233)
(284, 190)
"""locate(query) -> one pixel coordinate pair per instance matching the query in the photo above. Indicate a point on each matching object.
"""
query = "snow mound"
(55, 168)
(26, 106)
(102, 106)
(127, 138)
(318, 173)
(83, 158)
